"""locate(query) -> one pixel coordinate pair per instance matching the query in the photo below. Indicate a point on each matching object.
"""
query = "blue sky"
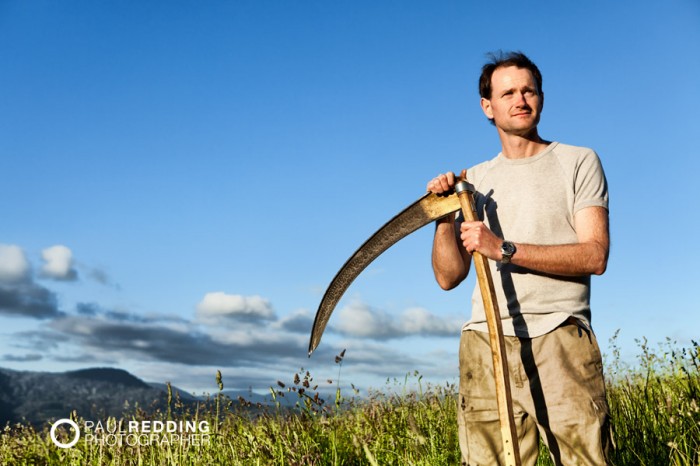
(181, 180)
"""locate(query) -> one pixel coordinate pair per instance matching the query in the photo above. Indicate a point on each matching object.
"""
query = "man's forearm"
(565, 259)
(447, 258)
(587, 257)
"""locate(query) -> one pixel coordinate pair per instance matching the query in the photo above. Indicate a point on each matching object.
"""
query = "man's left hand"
(476, 236)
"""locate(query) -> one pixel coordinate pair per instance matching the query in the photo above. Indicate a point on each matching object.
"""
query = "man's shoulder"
(562, 149)
(574, 158)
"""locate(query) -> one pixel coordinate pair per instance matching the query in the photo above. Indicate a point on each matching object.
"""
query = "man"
(544, 226)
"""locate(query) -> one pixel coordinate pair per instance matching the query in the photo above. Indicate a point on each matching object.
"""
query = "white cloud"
(418, 320)
(359, 320)
(58, 263)
(14, 266)
(218, 306)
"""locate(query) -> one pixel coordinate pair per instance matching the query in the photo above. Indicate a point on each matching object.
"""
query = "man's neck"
(521, 147)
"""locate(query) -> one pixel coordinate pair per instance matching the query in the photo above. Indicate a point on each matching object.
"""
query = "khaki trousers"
(558, 393)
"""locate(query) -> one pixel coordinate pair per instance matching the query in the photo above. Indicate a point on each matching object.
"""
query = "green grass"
(654, 404)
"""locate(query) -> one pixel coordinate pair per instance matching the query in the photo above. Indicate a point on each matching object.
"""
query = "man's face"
(515, 106)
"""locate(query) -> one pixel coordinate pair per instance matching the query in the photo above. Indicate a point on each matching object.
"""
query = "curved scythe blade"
(425, 210)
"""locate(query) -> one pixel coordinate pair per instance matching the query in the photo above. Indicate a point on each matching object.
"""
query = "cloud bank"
(361, 321)
(226, 330)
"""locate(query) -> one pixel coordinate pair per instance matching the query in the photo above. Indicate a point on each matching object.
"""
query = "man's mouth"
(523, 111)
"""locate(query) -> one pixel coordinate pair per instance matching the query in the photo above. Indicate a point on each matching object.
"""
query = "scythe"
(425, 210)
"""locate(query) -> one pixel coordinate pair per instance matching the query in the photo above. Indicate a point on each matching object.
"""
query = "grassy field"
(654, 404)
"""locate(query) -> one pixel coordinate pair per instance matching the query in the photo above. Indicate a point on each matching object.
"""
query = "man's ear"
(486, 107)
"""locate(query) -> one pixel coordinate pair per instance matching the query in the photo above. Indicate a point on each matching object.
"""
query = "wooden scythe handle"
(493, 319)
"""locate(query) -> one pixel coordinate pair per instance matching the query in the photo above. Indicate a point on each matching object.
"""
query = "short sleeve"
(590, 184)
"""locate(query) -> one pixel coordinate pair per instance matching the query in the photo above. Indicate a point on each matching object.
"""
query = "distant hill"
(106, 374)
(40, 397)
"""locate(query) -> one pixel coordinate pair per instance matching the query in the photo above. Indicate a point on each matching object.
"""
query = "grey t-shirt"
(533, 201)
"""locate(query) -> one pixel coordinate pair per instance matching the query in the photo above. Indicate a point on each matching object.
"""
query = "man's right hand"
(442, 183)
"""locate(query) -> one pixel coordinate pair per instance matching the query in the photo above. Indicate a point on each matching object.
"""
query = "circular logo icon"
(70, 422)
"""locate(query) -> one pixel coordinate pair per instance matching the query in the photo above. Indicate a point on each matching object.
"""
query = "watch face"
(508, 248)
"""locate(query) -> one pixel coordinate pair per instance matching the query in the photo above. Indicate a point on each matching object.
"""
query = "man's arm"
(589, 256)
(450, 260)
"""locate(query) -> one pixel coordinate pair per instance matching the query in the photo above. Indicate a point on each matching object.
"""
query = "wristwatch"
(507, 250)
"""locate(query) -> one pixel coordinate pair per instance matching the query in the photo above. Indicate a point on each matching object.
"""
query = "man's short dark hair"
(504, 59)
